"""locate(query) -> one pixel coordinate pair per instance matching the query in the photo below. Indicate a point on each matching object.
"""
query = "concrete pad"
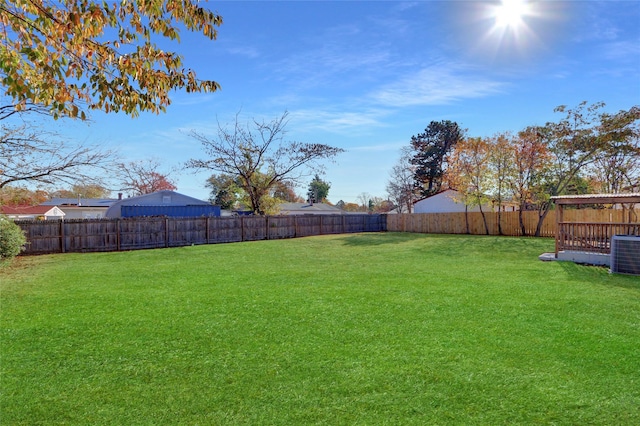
(547, 257)
(585, 258)
(582, 257)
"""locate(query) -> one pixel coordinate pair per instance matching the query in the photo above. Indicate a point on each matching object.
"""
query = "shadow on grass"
(452, 244)
(601, 275)
(376, 239)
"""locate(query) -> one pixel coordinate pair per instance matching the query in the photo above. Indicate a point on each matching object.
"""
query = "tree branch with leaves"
(74, 55)
(471, 172)
(584, 136)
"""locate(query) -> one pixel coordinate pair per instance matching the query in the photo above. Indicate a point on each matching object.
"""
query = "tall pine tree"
(430, 152)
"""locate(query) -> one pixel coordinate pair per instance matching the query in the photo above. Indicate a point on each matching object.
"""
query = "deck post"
(559, 230)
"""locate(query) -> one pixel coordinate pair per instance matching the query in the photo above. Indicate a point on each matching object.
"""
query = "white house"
(82, 208)
(450, 201)
(32, 212)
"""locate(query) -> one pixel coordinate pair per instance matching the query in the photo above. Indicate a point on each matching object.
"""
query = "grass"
(348, 329)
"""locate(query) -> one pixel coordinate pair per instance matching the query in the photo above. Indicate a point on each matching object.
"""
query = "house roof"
(437, 193)
(26, 210)
(306, 208)
(183, 199)
(504, 202)
(80, 202)
(633, 197)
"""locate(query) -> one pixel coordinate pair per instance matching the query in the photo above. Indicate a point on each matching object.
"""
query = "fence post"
(241, 228)
(166, 232)
(267, 225)
(62, 242)
(118, 234)
(559, 227)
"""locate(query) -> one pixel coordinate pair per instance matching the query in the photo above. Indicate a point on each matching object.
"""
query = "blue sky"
(367, 75)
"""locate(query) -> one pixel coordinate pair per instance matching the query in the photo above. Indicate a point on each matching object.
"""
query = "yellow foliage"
(58, 54)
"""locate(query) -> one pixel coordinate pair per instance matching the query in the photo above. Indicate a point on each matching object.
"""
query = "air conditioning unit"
(625, 254)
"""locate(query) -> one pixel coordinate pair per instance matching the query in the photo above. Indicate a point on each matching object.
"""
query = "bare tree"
(364, 198)
(400, 187)
(32, 155)
(260, 157)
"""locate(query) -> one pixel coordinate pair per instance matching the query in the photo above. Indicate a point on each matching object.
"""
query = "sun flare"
(510, 13)
(509, 30)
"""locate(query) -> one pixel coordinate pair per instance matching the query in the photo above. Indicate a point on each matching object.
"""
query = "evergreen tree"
(318, 189)
(430, 154)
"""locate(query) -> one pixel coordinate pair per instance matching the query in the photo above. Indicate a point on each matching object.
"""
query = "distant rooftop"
(306, 208)
(12, 210)
(80, 202)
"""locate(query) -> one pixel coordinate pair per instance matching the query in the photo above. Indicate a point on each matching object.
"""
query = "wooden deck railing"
(591, 237)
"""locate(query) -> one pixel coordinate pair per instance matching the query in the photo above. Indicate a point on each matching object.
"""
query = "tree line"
(586, 151)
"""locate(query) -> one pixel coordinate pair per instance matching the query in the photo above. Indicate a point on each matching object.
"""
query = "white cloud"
(435, 85)
(622, 50)
(382, 147)
(246, 51)
(337, 121)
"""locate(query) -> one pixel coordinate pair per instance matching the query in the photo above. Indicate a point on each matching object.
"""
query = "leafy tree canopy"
(73, 54)
(20, 196)
(91, 190)
(225, 190)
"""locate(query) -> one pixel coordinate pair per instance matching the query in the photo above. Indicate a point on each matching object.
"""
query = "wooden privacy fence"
(456, 223)
(591, 228)
(101, 235)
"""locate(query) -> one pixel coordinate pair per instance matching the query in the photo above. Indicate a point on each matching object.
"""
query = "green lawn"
(350, 329)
